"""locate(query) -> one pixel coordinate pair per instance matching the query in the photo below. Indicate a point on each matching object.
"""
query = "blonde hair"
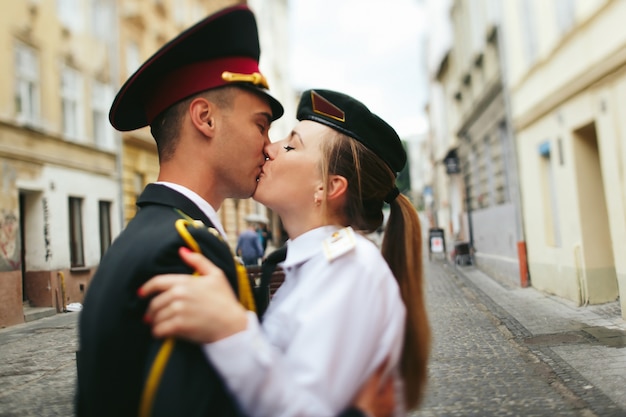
(370, 180)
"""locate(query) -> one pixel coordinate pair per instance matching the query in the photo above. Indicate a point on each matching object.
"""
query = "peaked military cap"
(222, 49)
(351, 117)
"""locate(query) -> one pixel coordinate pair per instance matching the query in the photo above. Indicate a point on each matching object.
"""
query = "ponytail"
(370, 182)
(402, 249)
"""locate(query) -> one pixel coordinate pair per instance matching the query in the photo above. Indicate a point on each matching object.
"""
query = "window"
(69, 14)
(77, 255)
(71, 103)
(100, 18)
(139, 182)
(105, 225)
(132, 58)
(506, 159)
(476, 26)
(549, 196)
(470, 179)
(529, 30)
(180, 14)
(565, 14)
(490, 187)
(101, 97)
(26, 84)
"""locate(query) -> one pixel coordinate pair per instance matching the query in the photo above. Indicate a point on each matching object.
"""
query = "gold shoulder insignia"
(339, 243)
(246, 298)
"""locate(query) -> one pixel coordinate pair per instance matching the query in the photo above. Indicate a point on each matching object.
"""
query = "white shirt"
(327, 329)
(202, 204)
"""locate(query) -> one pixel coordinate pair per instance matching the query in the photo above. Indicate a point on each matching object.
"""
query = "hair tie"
(392, 195)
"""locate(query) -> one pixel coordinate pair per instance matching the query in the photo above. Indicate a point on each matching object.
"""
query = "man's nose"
(270, 150)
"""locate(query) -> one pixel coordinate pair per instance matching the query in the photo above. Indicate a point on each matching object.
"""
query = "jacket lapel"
(165, 196)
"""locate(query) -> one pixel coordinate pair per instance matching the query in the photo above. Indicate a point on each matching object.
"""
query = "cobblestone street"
(475, 369)
(38, 367)
(484, 361)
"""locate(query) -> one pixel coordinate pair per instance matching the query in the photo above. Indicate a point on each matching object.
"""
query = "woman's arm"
(317, 374)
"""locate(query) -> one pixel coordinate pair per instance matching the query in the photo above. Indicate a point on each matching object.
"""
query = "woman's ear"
(202, 112)
(337, 187)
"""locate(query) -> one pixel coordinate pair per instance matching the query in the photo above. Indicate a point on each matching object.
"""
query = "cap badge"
(326, 108)
(254, 78)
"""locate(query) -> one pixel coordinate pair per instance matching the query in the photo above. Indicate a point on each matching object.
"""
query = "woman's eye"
(288, 148)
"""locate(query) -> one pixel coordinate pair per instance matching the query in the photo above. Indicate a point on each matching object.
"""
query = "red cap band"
(194, 78)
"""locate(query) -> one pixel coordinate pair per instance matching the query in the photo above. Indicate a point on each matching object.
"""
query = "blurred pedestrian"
(249, 246)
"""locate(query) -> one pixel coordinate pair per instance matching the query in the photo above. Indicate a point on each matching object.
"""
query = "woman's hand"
(201, 309)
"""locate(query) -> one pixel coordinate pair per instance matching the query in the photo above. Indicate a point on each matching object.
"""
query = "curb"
(36, 313)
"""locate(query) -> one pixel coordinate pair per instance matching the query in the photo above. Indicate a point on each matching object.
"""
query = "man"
(207, 105)
(249, 246)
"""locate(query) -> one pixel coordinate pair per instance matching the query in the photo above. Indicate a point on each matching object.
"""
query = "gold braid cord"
(160, 362)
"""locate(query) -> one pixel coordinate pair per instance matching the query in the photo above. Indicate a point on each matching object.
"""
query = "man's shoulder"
(157, 229)
(248, 234)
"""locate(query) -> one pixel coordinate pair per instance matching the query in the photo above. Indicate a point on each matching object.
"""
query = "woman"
(344, 307)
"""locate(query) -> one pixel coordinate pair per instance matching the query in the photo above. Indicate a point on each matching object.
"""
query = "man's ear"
(337, 187)
(202, 112)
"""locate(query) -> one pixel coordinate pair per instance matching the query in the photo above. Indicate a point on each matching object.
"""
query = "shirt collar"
(202, 204)
(307, 245)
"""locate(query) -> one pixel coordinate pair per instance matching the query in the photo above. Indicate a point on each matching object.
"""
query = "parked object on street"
(74, 307)
(462, 254)
(436, 242)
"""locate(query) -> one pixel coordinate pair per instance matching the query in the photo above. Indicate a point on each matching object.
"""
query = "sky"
(369, 49)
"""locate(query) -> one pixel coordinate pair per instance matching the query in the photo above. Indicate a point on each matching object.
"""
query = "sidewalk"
(585, 347)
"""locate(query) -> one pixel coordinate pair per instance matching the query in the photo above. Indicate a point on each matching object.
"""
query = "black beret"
(352, 118)
(222, 49)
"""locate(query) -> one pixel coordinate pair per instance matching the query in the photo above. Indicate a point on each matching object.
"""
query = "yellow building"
(566, 62)
(474, 147)
(59, 164)
(69, 180)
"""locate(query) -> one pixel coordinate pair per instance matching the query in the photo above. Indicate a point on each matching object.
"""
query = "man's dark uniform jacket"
(116, 348)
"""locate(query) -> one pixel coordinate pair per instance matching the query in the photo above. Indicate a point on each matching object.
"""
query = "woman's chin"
(258, 196)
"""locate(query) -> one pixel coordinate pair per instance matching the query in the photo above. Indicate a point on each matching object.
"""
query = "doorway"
(596, 265)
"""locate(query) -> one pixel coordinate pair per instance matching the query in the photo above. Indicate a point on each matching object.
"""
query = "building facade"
(60, 165)
(527, 97)
(567, 74)
(69, 180)
(477, 186)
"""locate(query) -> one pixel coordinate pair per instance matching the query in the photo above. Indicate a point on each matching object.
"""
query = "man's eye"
(288, 148)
